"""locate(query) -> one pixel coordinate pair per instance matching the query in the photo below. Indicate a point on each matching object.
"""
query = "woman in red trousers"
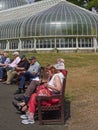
(53, 86)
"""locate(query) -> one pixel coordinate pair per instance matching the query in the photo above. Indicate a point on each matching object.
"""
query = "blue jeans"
(27, 76)
(2, 72)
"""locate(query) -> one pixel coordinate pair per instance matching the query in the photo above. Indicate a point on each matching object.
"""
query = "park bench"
(56, 111)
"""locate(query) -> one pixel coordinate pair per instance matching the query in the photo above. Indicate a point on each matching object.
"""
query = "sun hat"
(61, 60)
(16, 53)
(59, 66)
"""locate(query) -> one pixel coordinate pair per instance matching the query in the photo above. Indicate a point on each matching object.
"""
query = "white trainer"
(24, 116)
(28, 121)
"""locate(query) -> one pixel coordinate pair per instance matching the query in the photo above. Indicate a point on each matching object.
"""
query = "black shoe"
(21, 98)
(17, 106)
(24, 89)
(15, 80)
(18, 92)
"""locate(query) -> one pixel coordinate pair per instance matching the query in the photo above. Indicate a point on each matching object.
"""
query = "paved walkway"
(9, 118)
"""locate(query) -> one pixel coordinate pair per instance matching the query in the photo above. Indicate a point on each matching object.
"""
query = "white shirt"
(51, 82)
(15, 62)
(61, 76)
(36, 78)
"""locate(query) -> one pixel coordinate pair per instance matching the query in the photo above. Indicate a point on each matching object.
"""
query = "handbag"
(43, 91)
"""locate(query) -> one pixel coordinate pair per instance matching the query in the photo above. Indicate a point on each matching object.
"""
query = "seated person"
(31, 73)
(14, 63)
(53, 86)
(18, 70)
(4, 60)
(1, 53)
(31, 88)
(60, 65)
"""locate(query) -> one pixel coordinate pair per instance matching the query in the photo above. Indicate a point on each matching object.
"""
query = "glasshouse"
(47, 25)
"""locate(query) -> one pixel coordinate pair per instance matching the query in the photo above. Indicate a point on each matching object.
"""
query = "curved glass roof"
(6, 4)
(50, 18)
(62, 19)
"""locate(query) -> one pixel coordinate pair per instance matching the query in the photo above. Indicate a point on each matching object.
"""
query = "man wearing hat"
(18, 70)
(10, 66)
(15, 61)
(31, 73)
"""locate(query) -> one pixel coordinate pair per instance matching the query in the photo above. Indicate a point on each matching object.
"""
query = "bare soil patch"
(82, 84)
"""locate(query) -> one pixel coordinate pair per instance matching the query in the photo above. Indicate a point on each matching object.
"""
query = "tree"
(77, 2)
(92, 4)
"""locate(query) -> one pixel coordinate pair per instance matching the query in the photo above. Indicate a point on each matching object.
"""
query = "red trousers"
(33, 103)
